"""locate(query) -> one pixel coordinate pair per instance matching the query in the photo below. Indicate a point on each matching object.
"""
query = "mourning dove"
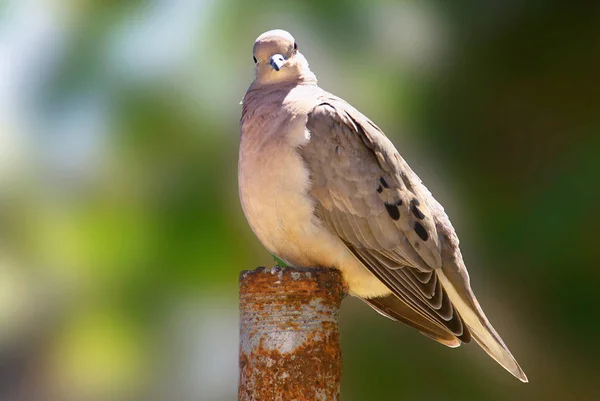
(322, 186)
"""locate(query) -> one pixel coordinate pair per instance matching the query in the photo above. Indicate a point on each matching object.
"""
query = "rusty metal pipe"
(289, 335)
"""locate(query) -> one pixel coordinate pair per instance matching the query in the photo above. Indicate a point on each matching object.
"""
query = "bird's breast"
(274, 185)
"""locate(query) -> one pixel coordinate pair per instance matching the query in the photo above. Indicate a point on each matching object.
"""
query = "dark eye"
(255, 60)
(295, 46)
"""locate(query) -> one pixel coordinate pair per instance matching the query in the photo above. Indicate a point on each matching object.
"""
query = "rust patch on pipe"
(289, 336)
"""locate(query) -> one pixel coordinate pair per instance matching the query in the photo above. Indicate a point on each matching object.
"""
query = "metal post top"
(317, 281)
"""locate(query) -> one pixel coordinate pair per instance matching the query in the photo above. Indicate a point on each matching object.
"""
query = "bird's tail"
(482, 331)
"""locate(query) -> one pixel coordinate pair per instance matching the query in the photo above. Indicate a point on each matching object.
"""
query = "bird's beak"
(276, 61)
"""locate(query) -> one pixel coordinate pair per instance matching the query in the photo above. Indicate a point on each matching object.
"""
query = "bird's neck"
(308, 79)
(303, 78)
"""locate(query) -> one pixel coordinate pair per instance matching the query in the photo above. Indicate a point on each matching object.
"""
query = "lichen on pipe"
(289, 334)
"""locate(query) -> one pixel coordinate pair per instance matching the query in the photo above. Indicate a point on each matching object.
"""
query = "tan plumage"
(321, 185)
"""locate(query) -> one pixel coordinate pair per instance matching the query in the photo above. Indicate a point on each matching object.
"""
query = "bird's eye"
(255, 60)
(295, 46)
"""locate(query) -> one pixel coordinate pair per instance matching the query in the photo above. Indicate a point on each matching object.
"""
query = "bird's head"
(278, 60)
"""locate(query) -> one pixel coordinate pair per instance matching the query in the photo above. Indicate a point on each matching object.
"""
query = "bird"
(321, 185)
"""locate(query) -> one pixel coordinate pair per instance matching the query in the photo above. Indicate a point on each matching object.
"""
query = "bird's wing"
(394, 308)
(367, 195)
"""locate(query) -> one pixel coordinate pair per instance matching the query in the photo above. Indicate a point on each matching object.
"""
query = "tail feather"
(394, 308)
(481, 329)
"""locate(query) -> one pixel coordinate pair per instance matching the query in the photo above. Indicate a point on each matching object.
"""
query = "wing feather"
(367, 195)
(374, 208)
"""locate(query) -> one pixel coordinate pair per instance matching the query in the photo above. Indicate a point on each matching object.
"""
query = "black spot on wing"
(392, 211)
(414, 207)
(383, 182)
(379, 189)
(421, 232)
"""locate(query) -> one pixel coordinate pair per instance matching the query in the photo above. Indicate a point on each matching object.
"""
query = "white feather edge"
(482, 335)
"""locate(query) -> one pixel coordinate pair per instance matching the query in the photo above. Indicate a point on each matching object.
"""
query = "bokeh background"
(121, 234)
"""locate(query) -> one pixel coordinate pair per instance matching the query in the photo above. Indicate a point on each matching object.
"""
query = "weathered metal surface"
(289, 336)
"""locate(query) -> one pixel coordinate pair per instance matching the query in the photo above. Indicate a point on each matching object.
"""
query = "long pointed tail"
(481, 329)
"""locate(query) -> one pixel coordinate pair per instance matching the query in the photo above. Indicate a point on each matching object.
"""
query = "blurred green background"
(121, 234)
